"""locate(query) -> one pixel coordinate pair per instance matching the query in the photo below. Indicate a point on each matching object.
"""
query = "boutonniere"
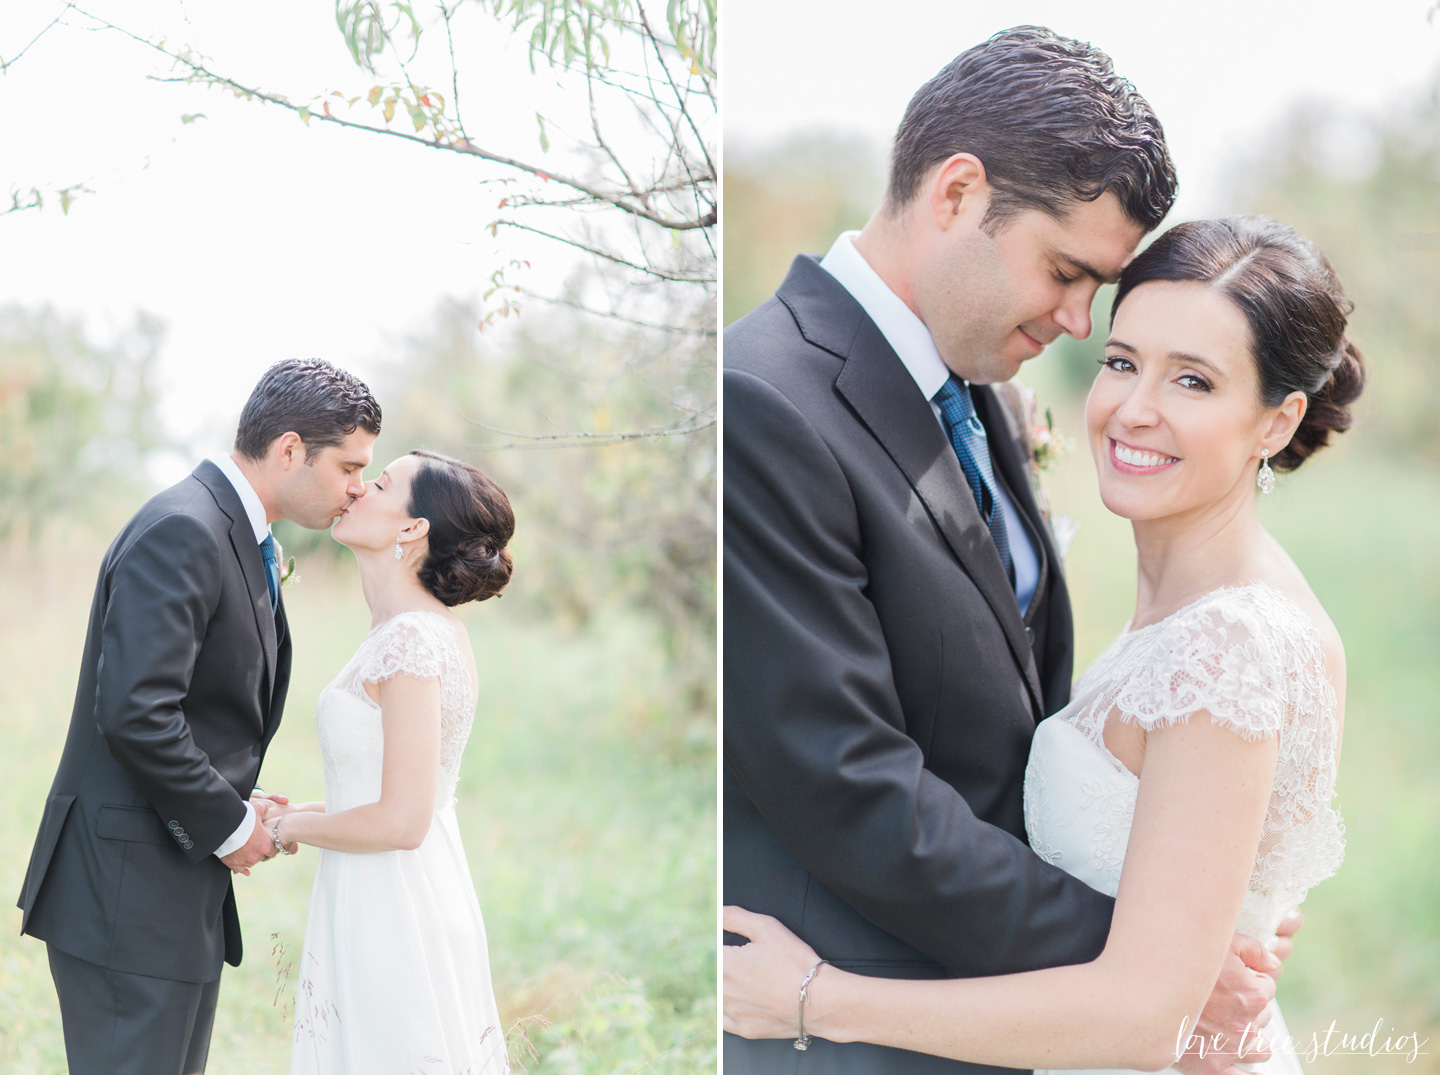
(1047, 447)
(1044, 447)
(289, 573)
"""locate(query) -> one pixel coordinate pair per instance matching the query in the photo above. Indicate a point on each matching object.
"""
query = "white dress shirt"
(255, 512)
(911, 340)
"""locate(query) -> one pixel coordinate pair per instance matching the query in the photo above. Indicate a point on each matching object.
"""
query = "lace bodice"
(420, 644)
(1250, 658)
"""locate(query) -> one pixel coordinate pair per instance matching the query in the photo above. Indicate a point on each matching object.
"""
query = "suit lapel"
(1016, 469)
(252, 567)
(882, 393)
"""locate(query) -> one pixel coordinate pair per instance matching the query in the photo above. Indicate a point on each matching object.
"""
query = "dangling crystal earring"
(1265, 479)
(398, 553)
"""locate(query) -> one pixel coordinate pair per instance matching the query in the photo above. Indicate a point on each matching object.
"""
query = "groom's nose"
(1073, 315)
(356, 489)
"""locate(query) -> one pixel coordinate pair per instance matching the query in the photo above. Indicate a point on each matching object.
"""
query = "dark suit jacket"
(181, 687)
(881, 686)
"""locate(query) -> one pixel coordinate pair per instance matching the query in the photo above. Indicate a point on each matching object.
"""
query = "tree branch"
(462, 145)
(680, 428)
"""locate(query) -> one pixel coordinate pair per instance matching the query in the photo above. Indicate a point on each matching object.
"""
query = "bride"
(395, 973)
(1191, 775)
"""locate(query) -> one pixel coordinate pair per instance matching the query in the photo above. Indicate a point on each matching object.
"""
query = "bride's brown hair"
(1293, 303)
(470, 524)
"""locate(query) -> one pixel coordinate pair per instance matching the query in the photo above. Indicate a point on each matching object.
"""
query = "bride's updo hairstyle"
(470, 525)
(1293, 302)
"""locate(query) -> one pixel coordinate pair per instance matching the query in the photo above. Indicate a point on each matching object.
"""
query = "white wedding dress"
(395, 975)
(1251, 659)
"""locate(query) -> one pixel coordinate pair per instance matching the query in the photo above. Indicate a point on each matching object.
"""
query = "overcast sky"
(252, 236)
(1218, 74)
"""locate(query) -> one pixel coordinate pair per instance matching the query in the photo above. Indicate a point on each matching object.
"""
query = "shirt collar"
(249, 499)
(904, 331)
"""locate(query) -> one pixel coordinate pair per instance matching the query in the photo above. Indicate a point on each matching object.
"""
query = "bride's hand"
(762, 978)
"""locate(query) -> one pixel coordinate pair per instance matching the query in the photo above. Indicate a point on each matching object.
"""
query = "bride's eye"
(1195, 382)
(1118, 363)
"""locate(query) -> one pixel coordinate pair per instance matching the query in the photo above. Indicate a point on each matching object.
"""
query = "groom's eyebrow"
(1088, 269)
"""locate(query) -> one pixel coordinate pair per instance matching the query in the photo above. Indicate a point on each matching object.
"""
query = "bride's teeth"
(1140, 459)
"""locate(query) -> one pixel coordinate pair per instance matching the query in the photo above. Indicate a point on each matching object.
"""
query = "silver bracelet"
(803, 1041)
(275, 836)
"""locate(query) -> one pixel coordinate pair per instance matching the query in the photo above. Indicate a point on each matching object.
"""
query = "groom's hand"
(1227, 1030)
(255, 850)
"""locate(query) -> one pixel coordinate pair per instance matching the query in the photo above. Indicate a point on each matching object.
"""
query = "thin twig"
(614, 316)
(5, 65)
(660, 273)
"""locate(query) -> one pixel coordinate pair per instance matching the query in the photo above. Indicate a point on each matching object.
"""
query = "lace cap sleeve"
(412, 643)
(1223, 655)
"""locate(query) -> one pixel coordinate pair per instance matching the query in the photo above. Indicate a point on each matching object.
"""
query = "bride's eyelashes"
(1192, 381)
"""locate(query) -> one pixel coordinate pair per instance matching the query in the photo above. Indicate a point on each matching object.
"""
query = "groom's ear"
(286, 451)
(958, 191)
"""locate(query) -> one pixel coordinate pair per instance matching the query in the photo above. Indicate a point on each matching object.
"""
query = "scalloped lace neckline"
(1128, 632)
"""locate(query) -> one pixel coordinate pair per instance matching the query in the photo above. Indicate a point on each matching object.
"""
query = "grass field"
(586, 803)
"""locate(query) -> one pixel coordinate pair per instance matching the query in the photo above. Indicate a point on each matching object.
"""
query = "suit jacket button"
(188, 845)
(174, 826)
(1030, 635)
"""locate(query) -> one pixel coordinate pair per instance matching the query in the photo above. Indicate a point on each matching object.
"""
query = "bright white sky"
(252, 236)
(1218, 73)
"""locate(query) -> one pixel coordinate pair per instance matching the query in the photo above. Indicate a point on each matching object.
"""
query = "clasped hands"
(269, 807)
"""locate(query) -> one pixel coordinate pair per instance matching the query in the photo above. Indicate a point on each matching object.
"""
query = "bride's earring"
(399, 553)
(1264, 480)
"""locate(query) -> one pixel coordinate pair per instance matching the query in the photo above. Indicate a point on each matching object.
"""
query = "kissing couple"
(155, 806)
(940, 855)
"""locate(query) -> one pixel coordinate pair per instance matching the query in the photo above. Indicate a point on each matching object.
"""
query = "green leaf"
(389, 109)
(304, 114)
(374, 98)
(191, 117)
(544, 140)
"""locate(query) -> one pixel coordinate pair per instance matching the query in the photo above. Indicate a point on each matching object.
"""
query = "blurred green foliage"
(78, 419)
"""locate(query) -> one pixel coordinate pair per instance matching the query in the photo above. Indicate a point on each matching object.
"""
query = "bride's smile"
(1175, 419)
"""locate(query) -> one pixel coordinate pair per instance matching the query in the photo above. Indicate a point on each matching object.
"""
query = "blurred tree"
(78, 422)
(1367, 190)
(792, 198)
(618, 525)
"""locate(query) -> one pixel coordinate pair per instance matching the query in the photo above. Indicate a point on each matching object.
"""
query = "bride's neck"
(1183, 557)
(391, 586)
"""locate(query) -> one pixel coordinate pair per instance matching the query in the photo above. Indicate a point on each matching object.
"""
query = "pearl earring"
(1265, 479)
(399, 553)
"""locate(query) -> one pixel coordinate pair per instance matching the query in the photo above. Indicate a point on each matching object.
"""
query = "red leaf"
(543, 176)
(502, 203)
(327, 110)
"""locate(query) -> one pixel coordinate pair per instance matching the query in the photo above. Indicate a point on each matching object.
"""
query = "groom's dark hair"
(1051, 121)
(322, 403)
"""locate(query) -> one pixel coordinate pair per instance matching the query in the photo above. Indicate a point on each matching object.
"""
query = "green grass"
(587, 805)
(1363, 529)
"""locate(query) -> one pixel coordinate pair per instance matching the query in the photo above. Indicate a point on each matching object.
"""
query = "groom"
(896, 619)
(182, 683)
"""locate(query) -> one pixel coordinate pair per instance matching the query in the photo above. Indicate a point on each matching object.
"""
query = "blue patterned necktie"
(967, 437)
(272, 570)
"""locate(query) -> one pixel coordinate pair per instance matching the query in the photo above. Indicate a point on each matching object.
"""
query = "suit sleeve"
(162, 593)
(813, 726)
